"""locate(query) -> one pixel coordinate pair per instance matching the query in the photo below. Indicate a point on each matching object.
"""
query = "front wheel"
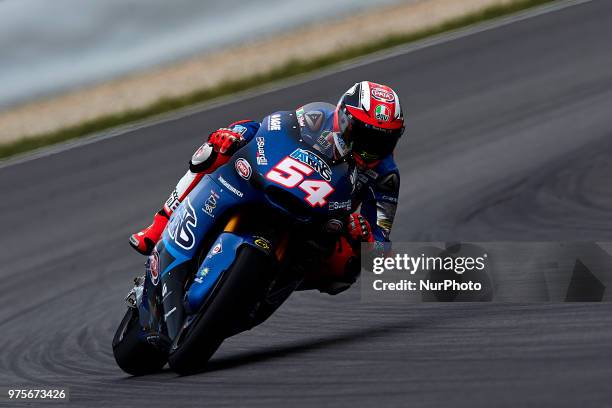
(133, 354)
(229, 310)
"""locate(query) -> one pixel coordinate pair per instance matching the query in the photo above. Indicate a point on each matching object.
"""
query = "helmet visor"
(371, 143)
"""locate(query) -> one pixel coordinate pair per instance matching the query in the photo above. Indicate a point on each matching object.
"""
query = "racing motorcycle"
(239, 244)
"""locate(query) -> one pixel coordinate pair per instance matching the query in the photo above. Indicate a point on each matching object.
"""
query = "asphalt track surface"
(509, 138)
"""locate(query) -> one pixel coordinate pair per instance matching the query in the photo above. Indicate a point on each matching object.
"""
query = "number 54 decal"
(290, 173)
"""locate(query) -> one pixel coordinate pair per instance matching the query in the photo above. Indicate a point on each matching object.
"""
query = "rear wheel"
(229, 311)
(134, 355)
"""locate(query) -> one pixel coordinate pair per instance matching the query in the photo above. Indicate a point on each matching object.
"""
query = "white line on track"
(296, 80)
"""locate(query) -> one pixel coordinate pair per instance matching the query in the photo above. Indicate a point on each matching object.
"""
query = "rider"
(375, 124)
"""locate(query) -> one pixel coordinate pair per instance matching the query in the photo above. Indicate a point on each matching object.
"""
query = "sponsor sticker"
(173, 202)
(202, 274)
(382, 113)
(313, 161)
(231, 188)
(340, 205)
(154, 267)
(314, 120)
(383, 95)
(325, 139)
(261, 151)
(211, 203)
(262, 243)
(217, 249)
(300, 117)
(274, 122)
(243, 168)
(181, 228)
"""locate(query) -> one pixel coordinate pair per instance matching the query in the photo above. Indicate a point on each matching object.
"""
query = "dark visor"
(372, 143)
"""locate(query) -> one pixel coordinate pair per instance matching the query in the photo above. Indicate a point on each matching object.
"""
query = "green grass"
(290, 69)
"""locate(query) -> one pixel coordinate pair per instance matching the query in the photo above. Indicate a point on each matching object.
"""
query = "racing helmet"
(375, 120)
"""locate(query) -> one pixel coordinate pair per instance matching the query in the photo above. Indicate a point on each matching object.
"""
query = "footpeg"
(134, 297)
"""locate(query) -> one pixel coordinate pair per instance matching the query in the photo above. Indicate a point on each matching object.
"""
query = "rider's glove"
(359, 229)
(225, 141)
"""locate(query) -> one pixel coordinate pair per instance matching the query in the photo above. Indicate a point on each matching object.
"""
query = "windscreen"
(322, 131)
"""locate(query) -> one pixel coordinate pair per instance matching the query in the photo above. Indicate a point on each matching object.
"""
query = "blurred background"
(69, 63)
(48, 47)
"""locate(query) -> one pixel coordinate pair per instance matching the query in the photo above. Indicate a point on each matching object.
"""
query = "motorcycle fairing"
(218, 260)
(221, 191)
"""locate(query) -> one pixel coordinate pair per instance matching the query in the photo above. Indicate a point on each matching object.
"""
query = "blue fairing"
(220, 257)
(243, 181)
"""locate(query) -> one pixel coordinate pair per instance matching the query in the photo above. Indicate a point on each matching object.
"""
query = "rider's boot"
(144, 241)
